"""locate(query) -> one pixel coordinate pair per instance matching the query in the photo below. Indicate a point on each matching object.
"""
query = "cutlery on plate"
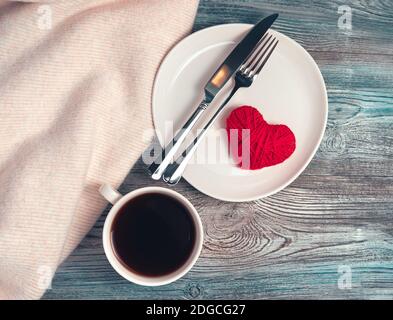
(212, 88)
(244, 78)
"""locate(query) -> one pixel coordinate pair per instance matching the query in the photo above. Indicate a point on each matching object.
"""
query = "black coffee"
(153, 234)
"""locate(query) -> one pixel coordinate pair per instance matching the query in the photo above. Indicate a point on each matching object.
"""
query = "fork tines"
(260, 55)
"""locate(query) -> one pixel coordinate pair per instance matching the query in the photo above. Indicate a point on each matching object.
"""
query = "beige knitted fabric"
(75, 100)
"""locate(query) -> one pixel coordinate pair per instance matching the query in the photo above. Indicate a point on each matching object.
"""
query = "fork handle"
(161, 163)
(175, 170)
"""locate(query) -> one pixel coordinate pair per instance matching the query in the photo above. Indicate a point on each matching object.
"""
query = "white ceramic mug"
(118, 201)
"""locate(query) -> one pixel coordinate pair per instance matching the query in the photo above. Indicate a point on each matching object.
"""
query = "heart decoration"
(261, 144)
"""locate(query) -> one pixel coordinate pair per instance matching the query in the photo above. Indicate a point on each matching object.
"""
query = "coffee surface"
(153, 234)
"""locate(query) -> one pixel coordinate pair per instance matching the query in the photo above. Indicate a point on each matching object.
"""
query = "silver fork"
(244, 77)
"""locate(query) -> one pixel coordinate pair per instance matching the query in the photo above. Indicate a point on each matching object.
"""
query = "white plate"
(290, 90)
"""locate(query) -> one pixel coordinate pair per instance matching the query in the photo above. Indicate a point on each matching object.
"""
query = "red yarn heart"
(269, 144)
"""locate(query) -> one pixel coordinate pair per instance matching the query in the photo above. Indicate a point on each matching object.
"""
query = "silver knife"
(212, 88)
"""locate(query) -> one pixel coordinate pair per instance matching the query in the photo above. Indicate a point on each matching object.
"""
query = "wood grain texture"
(339, 212)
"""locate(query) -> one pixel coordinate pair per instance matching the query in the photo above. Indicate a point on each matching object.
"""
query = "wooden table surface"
(330, 233)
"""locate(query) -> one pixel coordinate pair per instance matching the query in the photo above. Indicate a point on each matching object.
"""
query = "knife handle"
(160, 164)
(175, 170)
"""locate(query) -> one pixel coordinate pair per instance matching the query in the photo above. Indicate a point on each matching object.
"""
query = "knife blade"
(217, 81)
(238, 55)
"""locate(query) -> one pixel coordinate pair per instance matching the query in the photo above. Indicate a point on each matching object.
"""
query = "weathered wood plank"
(339, 212)
(312, 23)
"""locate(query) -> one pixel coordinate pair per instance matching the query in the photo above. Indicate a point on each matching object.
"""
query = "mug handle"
(110, 194)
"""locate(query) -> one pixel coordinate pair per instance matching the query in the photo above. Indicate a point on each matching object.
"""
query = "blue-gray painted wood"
(337, 214)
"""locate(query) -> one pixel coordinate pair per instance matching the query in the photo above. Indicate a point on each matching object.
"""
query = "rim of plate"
(246, 26)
